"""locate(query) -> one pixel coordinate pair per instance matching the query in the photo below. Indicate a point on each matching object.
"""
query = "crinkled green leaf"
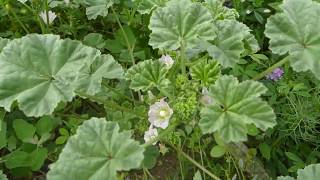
(207, 71)
(285, 178)
(97, 151)
(3, 129)
(296, 31)
(310, 172)
(3, 176)
(96, 8)
(3, 43)
(90, 77)
(235, 106)
(219, 11)
(147, 74)
(146, 6)
(39, 71)
(180, 22)
(229, 44)
(197, 176)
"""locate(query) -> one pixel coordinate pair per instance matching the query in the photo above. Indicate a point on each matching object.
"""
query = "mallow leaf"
(39, 71)
(219, 11)
(295, 31)
(97, 151)
(310, 172)
(90, 76)
(3, 176)
(146, 6)
(180, 23)
(230, 42)
(236, 105)
(95, 8)
(147, 74)
(3, 43)
(206, 71)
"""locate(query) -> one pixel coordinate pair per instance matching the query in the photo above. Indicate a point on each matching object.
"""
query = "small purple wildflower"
(275, 75)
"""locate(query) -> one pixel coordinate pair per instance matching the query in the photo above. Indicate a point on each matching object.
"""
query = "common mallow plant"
(41, 74)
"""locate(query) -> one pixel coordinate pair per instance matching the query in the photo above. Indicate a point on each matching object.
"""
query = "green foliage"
(98, 150)
(71, 77)
(294, 31)
(236, 105)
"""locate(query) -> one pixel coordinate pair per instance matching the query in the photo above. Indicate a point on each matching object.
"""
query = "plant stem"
(182, 59)
(195, 163)
(47, 16)
(130, 49)
(270, 69)
(21, 24)
(110, 104)
(117, 92)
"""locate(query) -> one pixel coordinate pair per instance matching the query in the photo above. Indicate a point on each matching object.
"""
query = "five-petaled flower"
(276, 74)
(151, 134)
(167, 60)
(160, 114)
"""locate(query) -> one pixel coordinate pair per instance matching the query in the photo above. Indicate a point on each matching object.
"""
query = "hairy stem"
(182, 59)
(18, 20)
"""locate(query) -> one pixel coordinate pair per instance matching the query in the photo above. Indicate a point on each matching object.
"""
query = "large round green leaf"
(39, 71)
(90, 76)
(180, 23)
(296, 31)
(97, 151)
(310, 172)
(229, 44)
(236, 105)
(3, 43)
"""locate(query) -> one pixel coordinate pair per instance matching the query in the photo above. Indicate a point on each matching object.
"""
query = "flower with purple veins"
(276, 74)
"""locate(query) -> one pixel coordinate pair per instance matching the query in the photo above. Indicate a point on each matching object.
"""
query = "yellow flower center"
(163, 113)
